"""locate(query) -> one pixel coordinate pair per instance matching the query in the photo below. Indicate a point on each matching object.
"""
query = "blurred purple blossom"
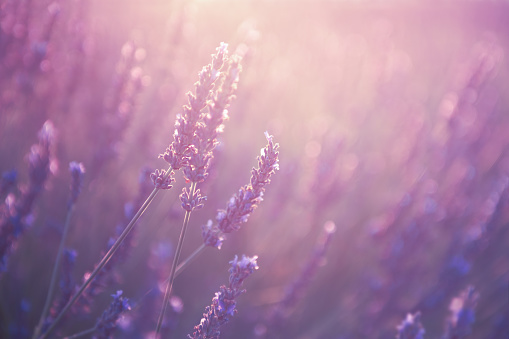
(459, 325)
(15, 214)
(411, 327)
(224, 303)
(107, 323)
(77, 172)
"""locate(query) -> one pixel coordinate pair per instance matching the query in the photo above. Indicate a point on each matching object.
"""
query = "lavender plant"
(177, 156)
(108, 319)
(393, 127)
(462, 314)
(242, 204)
(224, 303)
(201, 138)
(15, 213)
(411, 327)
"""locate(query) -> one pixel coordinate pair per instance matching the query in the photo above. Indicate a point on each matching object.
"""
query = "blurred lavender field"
(388, 216)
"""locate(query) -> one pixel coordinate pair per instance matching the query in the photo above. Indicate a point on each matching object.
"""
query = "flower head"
(106, 324)
(224, 302)
(411, 327)
(241, 205)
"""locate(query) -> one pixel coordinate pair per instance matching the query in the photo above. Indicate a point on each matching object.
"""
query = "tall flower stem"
(175, 262)
(107, 256)
(183, 265)
(81, 334)
(53, 281)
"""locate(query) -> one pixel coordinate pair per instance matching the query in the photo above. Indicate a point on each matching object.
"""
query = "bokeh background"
(392, 117)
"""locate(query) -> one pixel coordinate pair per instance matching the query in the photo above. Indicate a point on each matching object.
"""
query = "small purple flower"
(212, 236)
(223, 304)
(159, 180)
(77, 172)
(107, 323)
(16, 216)
(241, 205)
(190, 203)
(462, 314)
(411, 327)
(241, 269)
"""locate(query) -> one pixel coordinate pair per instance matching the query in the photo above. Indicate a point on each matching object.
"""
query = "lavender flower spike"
(462, 314)
(223, 304)
(208, 130)
(177, 154)
(242, 204)
(77, 172)
(411, 327)
(13, 223)
(106, 324)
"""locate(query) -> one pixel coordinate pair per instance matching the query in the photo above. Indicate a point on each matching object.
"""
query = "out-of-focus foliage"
(392, 119)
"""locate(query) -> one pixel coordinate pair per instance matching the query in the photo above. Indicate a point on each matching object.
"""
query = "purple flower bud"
(159, 180)
(224, 303)
(462, 314)
(77, 172)
(212, 235)
(106, 324)
(411, 327)
(189, 203)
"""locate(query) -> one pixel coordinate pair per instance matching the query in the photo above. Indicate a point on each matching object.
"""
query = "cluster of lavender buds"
(242, 204)
(462, 314)
(161, 181)
(223, 304)
(106, 324)
(15, 211)
(77, 172)
(411, 327)
(191, 200)
(179, 151)
(212, 124)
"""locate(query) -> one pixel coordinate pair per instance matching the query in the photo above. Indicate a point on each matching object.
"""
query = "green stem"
(53, 281)
(174, 264)
(81, 334)
(107, 257)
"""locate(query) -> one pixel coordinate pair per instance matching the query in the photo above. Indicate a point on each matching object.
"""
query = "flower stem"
(81, 334)
(189, 259)
(183, 265)
(174, 264)
(53, 281)
(106, 257)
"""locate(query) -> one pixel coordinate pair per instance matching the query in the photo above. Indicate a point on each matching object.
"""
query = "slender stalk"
(183, 265)
(174, 264)
(51, 289)
(81, 334)
(107, 257)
